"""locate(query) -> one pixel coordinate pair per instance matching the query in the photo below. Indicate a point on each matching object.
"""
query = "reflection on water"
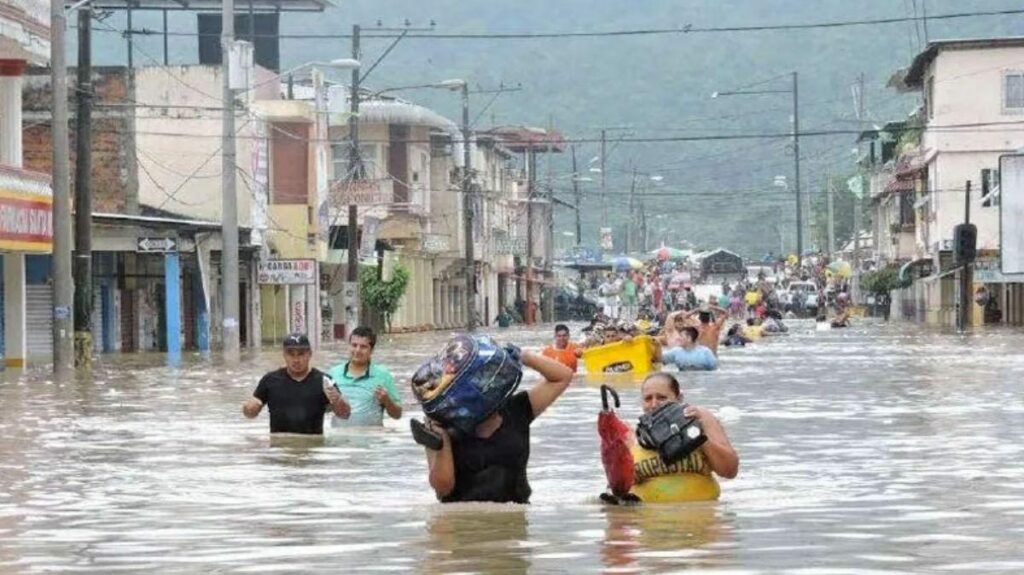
(881, 448)
(693, 532)
(463, 538)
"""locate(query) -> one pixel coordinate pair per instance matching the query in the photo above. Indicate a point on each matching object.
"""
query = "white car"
(809, 292)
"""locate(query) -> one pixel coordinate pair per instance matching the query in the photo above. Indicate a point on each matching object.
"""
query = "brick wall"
(113, 150)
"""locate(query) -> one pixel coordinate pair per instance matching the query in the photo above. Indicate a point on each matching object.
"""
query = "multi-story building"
(26, 197)
(157, 207)
(413, 159)
(405, 168)
(973, 93)
(531, 231)
(891, 193)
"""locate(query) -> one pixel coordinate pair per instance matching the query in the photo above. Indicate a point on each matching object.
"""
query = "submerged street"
(883, 448)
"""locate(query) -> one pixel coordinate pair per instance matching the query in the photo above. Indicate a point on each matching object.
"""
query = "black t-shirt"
(295, 406)
(494, 469)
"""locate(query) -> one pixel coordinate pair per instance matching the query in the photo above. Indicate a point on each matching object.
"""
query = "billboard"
(1011, 213)
(287, 272)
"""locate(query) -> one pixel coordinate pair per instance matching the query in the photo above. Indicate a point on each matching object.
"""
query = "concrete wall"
(179, 147)
(948, 175)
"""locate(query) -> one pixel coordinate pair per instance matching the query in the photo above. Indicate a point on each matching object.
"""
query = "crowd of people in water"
(476, 450)
(476, 425)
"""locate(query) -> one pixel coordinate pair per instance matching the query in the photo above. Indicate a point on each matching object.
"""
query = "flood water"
(878, 449)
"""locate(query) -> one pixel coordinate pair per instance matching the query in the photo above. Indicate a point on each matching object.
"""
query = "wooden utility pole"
(830, 205)
(355, 173)
(83, 193)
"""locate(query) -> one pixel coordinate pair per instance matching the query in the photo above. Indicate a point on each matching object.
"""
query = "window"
(906, 208)
(289, 167)
(1013, 92)
(989, 188)
(367, 155)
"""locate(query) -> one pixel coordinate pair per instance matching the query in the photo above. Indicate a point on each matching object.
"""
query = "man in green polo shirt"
(369, 388)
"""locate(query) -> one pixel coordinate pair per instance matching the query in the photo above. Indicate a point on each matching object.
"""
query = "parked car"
(805, 291)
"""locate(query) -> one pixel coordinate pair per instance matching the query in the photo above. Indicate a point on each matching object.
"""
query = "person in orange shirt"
(562, 350)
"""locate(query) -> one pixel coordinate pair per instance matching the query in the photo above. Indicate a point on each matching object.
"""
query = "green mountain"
(711, 192)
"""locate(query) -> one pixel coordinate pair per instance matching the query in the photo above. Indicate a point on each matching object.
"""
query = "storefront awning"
(26, 211)
(916, 269)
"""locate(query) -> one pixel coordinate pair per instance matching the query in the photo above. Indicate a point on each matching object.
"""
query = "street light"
(795, 92)
(337, 64)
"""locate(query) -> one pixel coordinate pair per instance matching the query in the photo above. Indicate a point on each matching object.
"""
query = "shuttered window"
(1013, 92)
(290, 163)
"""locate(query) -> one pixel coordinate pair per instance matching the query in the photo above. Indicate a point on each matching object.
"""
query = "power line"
(976, 127)
(682, 30)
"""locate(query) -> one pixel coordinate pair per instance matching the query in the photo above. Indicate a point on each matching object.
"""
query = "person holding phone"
(298, 394)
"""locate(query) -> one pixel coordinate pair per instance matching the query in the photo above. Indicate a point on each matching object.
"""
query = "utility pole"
(630, 244)
(355, 169)
(576, 197)
(63, 284)
(796, 170)
(604, 189)
(467, 212)
(229, 201)
(549, 244)
(531, 183)
(966, 274)
(83, 195)
(830, 206)
(924, 20)
(855, 295)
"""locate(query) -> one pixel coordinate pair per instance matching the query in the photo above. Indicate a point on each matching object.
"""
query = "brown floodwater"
(877, 449)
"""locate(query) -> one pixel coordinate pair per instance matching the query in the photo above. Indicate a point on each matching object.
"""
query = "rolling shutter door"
(39, 318)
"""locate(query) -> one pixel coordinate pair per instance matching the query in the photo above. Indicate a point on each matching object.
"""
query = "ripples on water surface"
(879, 449)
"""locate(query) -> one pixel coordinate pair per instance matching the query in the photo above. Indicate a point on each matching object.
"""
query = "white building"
(973, 92)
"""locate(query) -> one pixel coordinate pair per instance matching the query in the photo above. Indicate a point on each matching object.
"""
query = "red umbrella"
(615, 454)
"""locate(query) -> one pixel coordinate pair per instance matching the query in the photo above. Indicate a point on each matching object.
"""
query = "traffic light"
(965, 244)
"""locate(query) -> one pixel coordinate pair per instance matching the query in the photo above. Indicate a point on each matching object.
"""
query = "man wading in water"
(368, 387)
(489, 464)
(297, 394)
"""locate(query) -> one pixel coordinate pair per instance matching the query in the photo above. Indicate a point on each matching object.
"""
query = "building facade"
(156, 189)
(973, 94)
(26, 197)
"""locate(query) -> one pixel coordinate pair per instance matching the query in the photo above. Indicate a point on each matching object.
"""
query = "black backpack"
(667, 431)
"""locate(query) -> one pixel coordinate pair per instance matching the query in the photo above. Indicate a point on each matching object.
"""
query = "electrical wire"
(965, 128)
(688, 29)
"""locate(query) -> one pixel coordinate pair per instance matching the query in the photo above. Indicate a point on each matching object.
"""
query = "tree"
(383, 296)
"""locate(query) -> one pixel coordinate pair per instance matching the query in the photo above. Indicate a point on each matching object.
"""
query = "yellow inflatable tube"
(686, 481)
(681, 488)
